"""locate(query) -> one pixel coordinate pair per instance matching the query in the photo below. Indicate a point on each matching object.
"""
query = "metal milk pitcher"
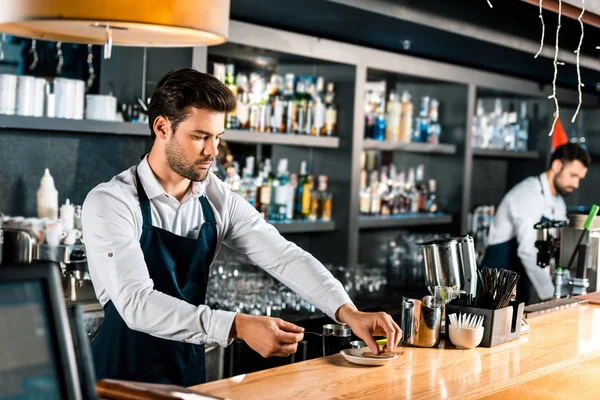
(421, 322)
(451, 262)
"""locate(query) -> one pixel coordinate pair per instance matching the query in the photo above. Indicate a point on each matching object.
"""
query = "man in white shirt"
(538, 198)
(152, 232)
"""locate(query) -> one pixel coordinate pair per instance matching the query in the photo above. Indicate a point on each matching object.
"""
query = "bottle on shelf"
(289, 104)
(304, 192)
(421, 188)
(365, 195)
(248, 183)
(264, 191)
(322, 202)
(435, 129)
(310, 89)
(318, 120)
(422, 123)
(301, 107)
(431, 205)
(392, 130)
(375, 197)
(330, 111)
(231, 118)
(406, 118)
(282, 191)
(243, 111)
(523, 129)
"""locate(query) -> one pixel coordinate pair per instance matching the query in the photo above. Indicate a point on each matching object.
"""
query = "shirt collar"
(546, 186)
(154, 189)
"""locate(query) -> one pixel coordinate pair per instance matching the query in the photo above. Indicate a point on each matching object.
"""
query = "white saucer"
(355, 356)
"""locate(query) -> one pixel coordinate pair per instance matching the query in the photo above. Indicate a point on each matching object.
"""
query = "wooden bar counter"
(558, 359)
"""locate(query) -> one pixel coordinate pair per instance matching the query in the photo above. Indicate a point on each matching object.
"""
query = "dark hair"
(570, 152)
(184, 88)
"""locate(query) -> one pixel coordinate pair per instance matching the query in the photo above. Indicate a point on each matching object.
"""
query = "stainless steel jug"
(421, 322)
(451, 262)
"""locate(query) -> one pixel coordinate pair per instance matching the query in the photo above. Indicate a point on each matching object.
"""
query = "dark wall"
(77, 161)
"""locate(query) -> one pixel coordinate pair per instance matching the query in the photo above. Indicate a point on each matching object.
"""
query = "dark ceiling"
(349, 24)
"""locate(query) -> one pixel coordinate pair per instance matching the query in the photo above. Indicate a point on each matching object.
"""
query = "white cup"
(72, 236)
(35, 225)
(55, 232)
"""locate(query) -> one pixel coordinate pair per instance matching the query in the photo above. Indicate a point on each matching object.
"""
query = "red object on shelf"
(559, 136)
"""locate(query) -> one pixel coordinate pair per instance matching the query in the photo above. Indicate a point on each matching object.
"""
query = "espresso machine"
(567, 247)
(22, 246)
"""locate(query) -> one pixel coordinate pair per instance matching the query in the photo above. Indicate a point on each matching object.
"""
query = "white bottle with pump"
(47, 197)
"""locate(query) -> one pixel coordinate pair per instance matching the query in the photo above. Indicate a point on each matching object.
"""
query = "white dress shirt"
(112, 227)
(523, 207)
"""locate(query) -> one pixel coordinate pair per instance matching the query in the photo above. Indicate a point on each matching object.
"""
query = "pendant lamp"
(149, 23)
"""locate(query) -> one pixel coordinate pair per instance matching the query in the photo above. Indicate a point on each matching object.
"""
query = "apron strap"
(209, 216)
(144, 202)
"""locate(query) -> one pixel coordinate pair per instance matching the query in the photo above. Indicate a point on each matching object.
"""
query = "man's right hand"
(267, 336)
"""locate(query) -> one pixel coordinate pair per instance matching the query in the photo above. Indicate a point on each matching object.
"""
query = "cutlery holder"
(499, 326)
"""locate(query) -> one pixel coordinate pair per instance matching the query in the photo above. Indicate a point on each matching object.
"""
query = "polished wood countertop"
(556, 346)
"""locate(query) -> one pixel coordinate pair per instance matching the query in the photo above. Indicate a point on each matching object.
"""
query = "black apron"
(179, 267)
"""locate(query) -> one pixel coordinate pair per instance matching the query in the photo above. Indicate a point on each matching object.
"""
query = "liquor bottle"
(375, 197)
(365, 195)
(289, 104)
(231, 119)
(422, 124)
(321, 204)
(265, 109)
(282, 191)
(379, 127)
(276, 101)
(301, 106)
(421, 188)
(401, 204)
(265, 190)
(432, 197)
(480, 122)
(318, 123)
(384, 192)
(411, 192)
(309, 107)
(392, 130)
(330, 111)
(219, 71)
(435, 129)
(406, 118)
(256, 88)
(248, 183)
(243, 111)
(291, 208)
(523, 128)
(304, 192)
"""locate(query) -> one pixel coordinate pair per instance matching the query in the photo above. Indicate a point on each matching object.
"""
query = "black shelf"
(73, 125)
(430, 148)
(492, 153)
(19, 122)
(303, 226)
(404, 220)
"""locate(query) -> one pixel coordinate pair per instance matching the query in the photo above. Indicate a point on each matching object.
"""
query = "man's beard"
(178, 164)
(562, 190)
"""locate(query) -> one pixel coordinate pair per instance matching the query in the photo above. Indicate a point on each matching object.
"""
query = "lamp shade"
(149, 23)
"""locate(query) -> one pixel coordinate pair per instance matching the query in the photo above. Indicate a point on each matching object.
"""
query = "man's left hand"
(366, 325)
